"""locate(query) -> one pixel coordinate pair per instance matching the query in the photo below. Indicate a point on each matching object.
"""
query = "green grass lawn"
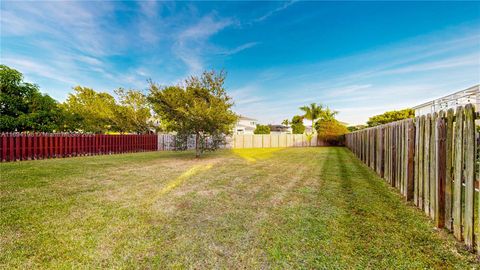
(249, 208)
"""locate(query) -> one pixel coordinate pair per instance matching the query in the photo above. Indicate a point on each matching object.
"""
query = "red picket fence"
(20, 146)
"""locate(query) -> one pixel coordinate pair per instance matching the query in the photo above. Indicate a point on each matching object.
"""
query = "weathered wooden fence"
(274, 140)
(19, 146)
(432, 161)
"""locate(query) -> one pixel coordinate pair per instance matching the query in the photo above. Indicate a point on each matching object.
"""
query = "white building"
(245, 125)
(460, 98)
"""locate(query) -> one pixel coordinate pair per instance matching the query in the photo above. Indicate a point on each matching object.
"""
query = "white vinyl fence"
(274, 140)
(167, 141)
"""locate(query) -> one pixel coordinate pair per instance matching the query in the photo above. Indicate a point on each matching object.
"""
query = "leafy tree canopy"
(98, 112)
(95, 111)
(133, 111)
(390, 116)
(200, 107)
(24, 108)
(262, 129)
(297, 125)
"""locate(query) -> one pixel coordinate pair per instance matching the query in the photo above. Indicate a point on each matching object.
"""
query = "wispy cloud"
(239, 48)
(472, 60)
(30, 67)
(274, 11)
(191, 43)
(246, 95)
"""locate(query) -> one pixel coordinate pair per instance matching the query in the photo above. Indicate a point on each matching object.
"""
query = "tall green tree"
(200, 107)
(94, 111)
(24, 108)
(297, 125)
(133, 111)
(390, 116)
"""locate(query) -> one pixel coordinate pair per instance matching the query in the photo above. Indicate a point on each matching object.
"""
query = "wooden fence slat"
(410, 159)
(457, 176)
(440, 174)
(426, 166)
(449, 170)
(421, 159)
(433, 169)
(30, 146)
(416, 161)
(470, 160)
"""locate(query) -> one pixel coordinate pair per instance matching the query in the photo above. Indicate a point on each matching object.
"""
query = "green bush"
(262, 129)
(331, 131)
(297, 125)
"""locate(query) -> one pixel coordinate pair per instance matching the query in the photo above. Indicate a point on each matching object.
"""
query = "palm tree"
(313, 112)
(328, 115)
(286, 122)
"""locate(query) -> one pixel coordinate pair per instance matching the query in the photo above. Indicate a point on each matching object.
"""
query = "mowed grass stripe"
(248, 208)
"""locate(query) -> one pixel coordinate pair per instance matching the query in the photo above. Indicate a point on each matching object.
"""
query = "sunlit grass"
(254, 154)
(304, 208)
(179, 180)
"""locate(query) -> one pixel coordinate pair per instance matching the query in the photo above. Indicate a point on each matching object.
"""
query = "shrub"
(297, 125)
(262, 129)
(331, 131)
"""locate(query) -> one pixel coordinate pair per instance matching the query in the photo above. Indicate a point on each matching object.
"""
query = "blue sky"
(360, 58)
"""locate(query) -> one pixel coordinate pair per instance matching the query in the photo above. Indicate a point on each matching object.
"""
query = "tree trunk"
(197, 142)
(310, 142)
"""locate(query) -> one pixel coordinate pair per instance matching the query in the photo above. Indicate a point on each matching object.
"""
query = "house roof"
(245, 126)
(278, 128)
(246, 118)
(474, 90)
